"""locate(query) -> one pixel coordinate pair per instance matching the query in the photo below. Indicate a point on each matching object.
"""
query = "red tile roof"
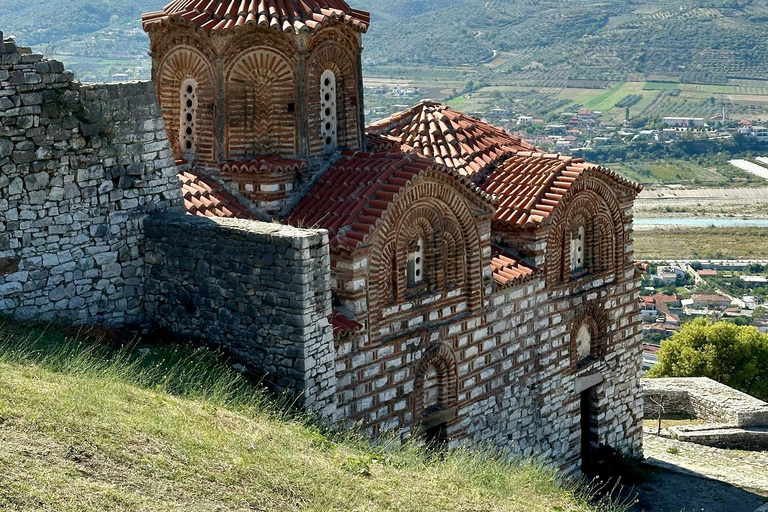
(351, 197)
(452, 138)
(529, 185)
(343, 326)
(264, 163)
(228, 15)
(508, 269)
(206, 198)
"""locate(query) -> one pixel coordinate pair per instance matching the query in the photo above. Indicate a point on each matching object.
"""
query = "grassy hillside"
(86, 429)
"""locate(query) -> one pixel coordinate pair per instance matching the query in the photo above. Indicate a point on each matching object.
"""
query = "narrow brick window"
(328, 111)
(416, 263)
(577, 249)
(188, 125)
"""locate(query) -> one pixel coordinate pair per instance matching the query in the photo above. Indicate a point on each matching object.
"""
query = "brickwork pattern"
(81, 166)
(187, 61)
(259, 89)
(517, 380)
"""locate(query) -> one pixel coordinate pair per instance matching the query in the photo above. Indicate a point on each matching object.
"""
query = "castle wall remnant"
(80, 167)
(735, 420)
(261, 290)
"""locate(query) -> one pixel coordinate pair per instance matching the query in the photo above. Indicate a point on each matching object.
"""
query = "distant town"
(677, 292)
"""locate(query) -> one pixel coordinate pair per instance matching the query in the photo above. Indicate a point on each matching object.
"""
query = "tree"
(734, 355)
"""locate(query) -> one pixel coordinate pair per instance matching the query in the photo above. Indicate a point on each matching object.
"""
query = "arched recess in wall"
(331, 57)
(589, 209)
(435, 384)
(261, 105)
(452, 252)
(182, 67)
(589, 335)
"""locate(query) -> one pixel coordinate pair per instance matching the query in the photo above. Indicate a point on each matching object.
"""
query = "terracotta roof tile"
(229, 15)
(343, 326)
(509, 269)
(528, 186)
(351, 197)
(206, 198)
(452, 138)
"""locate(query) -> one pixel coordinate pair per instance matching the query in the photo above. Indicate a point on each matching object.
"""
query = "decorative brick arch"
(423, 221)
(184, 62)
(261, 113)
(333, 56)
(436, 368)
(444, 207)
(592, 203)
(594, 316)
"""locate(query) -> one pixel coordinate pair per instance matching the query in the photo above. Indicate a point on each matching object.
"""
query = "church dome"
(219, 16)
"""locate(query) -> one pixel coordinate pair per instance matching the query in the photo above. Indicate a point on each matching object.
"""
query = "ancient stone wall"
(703, 398)
(261, 290)
(80, 167)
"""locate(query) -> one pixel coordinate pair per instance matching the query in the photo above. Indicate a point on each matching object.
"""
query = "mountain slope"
(707, 39)
(703, 41)
(82, 429)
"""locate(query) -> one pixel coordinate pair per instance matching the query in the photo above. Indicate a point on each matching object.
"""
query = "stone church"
(428, 273)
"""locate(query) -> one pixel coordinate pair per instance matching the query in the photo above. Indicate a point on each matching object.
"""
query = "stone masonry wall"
(705, 399)
(80, 166)
(261, 290)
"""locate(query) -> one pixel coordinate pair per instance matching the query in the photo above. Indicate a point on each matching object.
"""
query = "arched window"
(578, 248)
(415, 270)
(188, 124)
(431, 391)
(328, 111)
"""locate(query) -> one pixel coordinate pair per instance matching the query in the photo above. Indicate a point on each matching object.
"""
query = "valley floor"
(670, 202)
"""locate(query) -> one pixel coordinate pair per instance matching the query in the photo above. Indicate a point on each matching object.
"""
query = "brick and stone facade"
(460, 286)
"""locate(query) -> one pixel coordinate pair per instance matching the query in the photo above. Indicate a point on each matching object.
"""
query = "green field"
(694, 100)
(607, 99)
(683, 172)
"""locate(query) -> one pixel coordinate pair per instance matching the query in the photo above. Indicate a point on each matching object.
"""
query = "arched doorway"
(435, 393)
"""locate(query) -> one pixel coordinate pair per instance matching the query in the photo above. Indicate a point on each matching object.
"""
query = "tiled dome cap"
(219, 16)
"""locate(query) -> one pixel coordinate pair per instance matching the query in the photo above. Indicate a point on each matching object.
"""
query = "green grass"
(606, 100)
(88, 428)
(650, 172)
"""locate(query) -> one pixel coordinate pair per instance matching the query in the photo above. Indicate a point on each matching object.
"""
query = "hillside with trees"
(545, 42)
(706, 41)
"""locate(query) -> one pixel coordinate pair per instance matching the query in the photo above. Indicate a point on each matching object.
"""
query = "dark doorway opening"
(436, 437)
(589, 439)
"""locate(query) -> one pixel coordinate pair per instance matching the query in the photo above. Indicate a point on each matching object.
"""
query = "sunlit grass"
(84, 427)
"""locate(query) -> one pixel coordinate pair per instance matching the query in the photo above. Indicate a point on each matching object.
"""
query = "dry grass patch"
(83, 430)
(701, 243)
